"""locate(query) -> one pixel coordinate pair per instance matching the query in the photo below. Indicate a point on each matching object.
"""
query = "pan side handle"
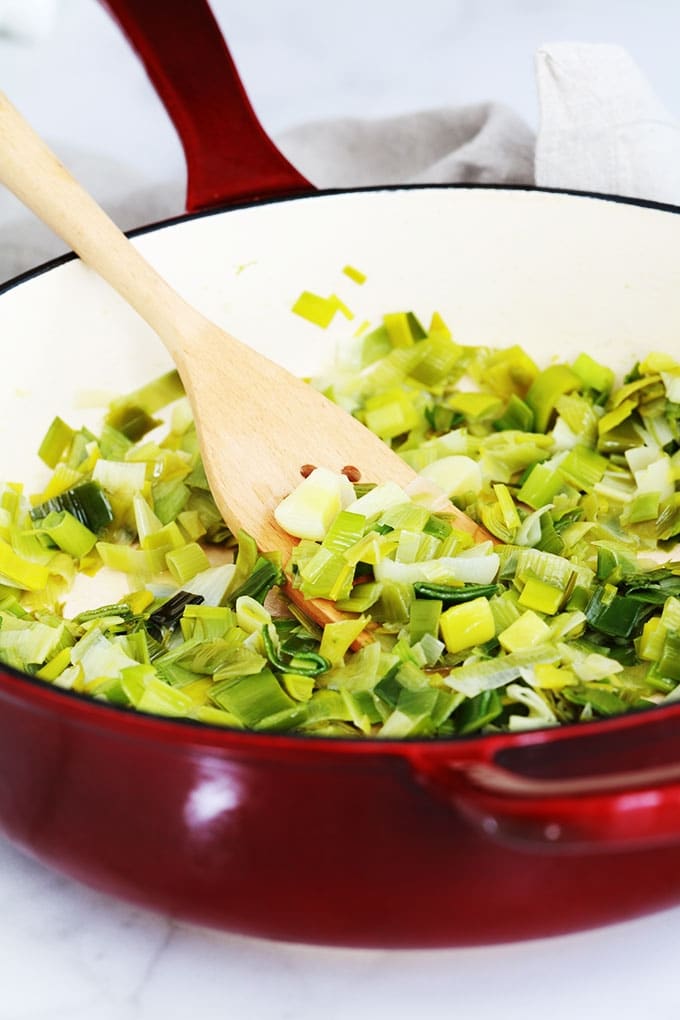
(229, 156)
(589, 790)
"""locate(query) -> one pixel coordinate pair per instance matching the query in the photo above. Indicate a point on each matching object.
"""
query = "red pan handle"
(596, 787)
(229, 156)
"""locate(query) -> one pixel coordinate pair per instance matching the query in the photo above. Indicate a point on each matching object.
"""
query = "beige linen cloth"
(601, 128)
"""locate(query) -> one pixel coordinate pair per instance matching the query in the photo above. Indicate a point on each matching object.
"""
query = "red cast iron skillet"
(408, 843)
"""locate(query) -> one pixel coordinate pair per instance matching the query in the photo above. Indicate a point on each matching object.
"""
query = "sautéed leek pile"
(571, 613)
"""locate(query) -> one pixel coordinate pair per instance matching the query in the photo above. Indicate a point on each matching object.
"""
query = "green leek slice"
(87, 502)
(547, 387)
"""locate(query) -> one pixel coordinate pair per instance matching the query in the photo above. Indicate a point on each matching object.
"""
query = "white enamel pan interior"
(557, 273)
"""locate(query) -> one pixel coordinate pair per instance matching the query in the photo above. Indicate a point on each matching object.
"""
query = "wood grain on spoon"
(257, 424)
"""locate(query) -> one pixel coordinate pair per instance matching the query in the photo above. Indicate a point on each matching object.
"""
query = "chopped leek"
(311, 508)
(57, 440)
(316, 309)
(354, 274)
(168, 615)
(87, 502)
(68, 533)
(468, 624)
(565, 618)
(545, 391)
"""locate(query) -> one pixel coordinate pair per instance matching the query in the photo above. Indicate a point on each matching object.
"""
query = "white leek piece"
(310, 509)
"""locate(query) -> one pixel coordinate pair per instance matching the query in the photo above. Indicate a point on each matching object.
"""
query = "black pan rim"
(227, 207)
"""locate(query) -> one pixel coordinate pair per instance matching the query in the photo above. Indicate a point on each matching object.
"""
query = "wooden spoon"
(257, 424)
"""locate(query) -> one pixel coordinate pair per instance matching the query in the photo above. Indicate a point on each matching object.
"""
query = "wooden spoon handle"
(34, 174)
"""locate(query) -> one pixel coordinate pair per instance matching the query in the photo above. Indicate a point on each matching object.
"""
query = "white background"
(67, 952)
(85, 91)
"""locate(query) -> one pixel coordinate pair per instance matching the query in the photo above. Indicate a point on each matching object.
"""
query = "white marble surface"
(67, 952)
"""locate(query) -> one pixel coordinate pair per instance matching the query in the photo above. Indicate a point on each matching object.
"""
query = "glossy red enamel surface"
(229, 156)
(455, 842)
(297, 839)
